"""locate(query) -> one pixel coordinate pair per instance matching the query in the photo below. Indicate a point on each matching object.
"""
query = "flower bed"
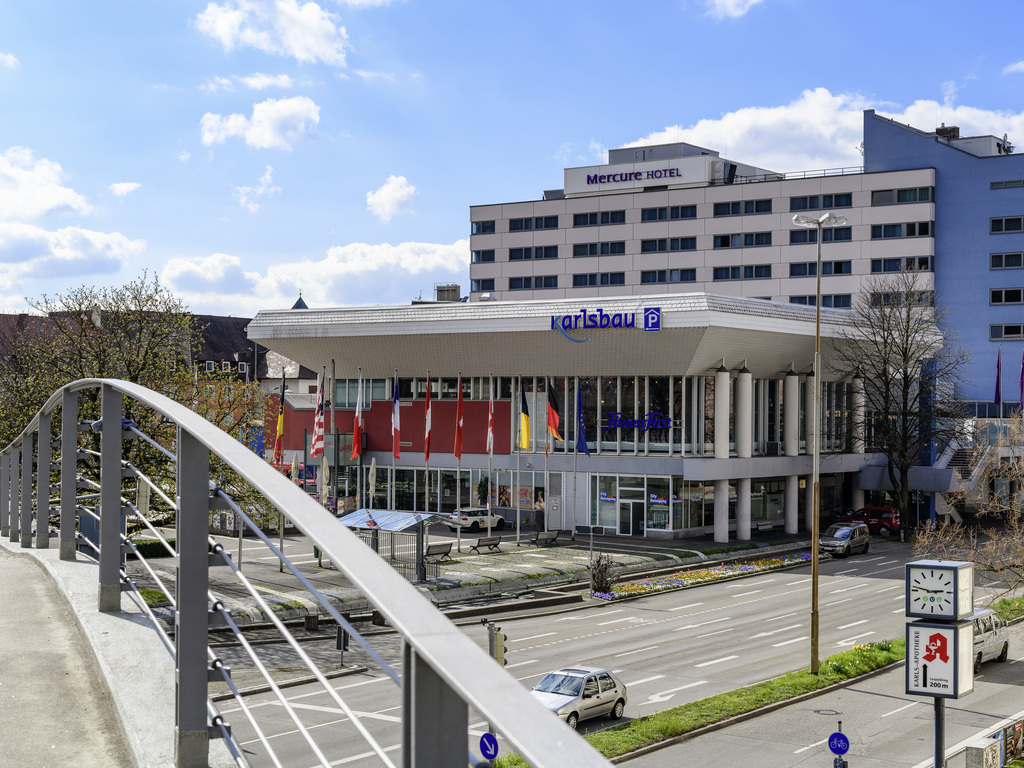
(702, 576)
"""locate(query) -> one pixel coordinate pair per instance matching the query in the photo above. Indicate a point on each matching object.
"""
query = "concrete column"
(26, 488)
(722, 511)
(857, 499)
(809, 436)
(858, 421)
(744, 413)
(743, 509)
(43, 483)
(809, 503)
(111, 408)
(791, 415)
(792, 503)
(5, 494)
(68, 469)
(722, 413)
(14, 478)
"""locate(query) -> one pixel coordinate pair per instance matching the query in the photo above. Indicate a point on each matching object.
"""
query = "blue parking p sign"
(838, 743)
(489, 746)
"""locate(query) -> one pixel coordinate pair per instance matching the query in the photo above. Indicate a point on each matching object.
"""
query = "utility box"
(984, 753)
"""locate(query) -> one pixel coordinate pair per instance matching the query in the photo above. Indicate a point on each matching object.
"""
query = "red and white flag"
(490, 418)
(426, 425)
(317, 446)
(458, 424)
(357, 422)
(396, 449)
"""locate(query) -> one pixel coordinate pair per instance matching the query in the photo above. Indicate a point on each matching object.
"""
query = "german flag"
(554, 408)
(524, 419)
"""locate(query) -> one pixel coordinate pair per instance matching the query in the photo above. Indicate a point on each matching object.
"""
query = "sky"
(249, 151)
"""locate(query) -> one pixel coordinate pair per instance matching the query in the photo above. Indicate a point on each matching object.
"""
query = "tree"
(911, 368)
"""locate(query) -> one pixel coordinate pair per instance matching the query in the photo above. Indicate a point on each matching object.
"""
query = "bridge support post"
(26, 491)
(110, 500)
(191, 619)
(434, 717)
(68, 471)
(43, 482)
(14, 475)
(5, 493)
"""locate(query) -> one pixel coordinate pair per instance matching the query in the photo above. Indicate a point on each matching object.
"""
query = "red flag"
(396, 448)
(490, 418)
(357, 422)
(316, 448)
(458, 424)
(426, 427)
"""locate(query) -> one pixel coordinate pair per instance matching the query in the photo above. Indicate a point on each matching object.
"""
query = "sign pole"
(940, 732)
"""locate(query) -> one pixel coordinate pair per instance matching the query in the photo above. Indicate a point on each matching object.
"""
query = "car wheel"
(884, 531)
(572, 720)
(501, 524)
(977, 664)
(620, 707)
(474, 527)
(867, 547)
(845, 552)
(1005, 652)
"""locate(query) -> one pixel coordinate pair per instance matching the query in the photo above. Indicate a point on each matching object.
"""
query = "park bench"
(491, 542)
(544, 538)
(763, 526)
(440, 550)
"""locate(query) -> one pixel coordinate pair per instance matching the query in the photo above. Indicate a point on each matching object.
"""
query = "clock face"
(932, 592)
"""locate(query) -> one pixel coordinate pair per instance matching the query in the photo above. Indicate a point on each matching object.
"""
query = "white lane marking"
(850, 640)
(888, 589)
(783, 616)
(613, 621)
(744, 594)
(638, 650)
(682, 607)
(811, 746)
(646, 680)
(702, 624)
(531, 637)
(848, 570)
(837, 602)
(908, 706)
(716, 661)
(854, 624)
(889, 562)
(869, 559)
(749, 584)
(800, 581)
(775, 631)
(594, 616)
(900, 610)
(788, 642)
(522, 663)
(719, 632)
(656, 698)
(847, 589)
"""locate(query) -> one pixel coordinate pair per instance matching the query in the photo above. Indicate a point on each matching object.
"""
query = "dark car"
(883, 520)
(843, 539)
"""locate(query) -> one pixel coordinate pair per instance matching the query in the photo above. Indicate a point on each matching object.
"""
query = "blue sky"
(247, 150)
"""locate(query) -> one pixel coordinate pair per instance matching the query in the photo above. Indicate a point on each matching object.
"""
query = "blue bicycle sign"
(838, 743)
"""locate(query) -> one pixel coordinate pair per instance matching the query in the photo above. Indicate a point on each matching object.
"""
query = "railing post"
(13, 474)
(26, 490)
(68, 474)
(434, 716)
(5, 493)
(191, 619)
(43, 482)
(110, 500)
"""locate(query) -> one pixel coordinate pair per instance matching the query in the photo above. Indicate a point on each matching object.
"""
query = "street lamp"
(818, 224)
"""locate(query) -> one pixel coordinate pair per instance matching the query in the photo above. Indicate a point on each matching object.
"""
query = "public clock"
(940, 589)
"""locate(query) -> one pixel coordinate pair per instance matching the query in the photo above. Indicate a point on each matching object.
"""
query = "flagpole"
(426, 451)
(547, 494)
(334, 437)
(519, 453)
(360, 501)
(490, 446)
(575, 460)
(458, 475)
(395, 435)
(323, 448)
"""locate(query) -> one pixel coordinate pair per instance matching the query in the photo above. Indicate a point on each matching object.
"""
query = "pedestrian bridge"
(80, 462)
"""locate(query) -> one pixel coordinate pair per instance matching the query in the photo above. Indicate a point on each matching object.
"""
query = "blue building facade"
(979, 242)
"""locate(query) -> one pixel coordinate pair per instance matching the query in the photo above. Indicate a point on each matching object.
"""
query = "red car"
(883, 520)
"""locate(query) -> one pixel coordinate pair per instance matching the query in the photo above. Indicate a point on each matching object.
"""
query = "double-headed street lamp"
(818, 224)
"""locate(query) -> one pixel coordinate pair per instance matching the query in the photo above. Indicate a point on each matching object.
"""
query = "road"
(669, 649)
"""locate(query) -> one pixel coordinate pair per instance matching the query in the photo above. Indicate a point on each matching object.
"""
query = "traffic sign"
(838, 743)
(489, 746)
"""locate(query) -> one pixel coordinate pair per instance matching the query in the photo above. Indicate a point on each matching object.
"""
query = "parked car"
(883, 520)
(843, 539)
(579, 693)
(474, 519)
(991, 640)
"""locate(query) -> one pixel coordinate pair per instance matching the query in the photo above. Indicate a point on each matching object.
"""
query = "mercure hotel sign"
(611, 178)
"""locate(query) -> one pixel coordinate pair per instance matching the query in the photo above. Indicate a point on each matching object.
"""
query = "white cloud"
(366, 3)
(28, 251)
(306, 32)
(184, 155)
(354, 274)
(31, 188)
(249, 197)
(1017, 66)
(274, 123)
(371, 76)
(212, 85)
(8, 60)
(123, 188)
(731, 9)
(258, 81)
(395, 196)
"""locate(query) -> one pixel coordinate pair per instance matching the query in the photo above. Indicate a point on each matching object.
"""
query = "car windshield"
(565, 685)
(838, 532)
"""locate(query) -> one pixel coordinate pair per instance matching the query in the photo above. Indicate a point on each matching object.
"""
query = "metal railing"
(441, 677)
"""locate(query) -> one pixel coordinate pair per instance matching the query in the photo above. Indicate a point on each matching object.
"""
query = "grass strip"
(1009, 608)
(661, 726)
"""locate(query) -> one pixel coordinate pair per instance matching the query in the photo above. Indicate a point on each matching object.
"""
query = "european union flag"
(581, 428)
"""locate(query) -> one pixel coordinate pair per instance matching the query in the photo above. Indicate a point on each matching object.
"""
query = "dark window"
(584, 249)
(683, 212)
(613, 278)
(486, 284)
(482, 256)
(520, 254)
(883, 197)
(727, 209)
(682, 244)
(1006, 261)
(547, 281)
(652, 246)
(800, 236)
(580, 281)
(584, 219)
(483, 227)
(653, 214)
(727, 241)
(1010, 224)
(519, 283)
(801, 269)
(613, 248)
(613, 217)
(1007, 296)
(518, 225)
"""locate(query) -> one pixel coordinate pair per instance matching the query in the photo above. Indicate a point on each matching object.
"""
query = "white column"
(791, 414)
(809, 503)
(722, 511)
(744, 413)
(858, 420)
(743, 509)
(722, 413)
(809, 435)
(792, 503)
(857, 499)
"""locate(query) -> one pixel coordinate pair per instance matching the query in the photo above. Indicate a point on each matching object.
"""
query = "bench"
(441, 551)
(491, 542)
(544, 538)
(763, 526)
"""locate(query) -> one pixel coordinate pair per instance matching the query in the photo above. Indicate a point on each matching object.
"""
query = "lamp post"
(818, 224)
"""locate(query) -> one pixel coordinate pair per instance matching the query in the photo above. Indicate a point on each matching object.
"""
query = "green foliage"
(154, 597)
(150, 548)
(482, 489)
(603, 576)
(1009, 608)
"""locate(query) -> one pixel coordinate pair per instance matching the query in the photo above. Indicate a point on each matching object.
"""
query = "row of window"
(599, 278)
(747, 272)
(1007, 184)
(536, 282)
(834, 300)
(742, 207)
(669, 212)
(1006, 224)
(818, 202)
(911, 195)
(1006, 296)
(913, 229)
(533, 222)
(832, 234)
(810, 268)
(669, 276)
(540, 252)
(1000, 332)
(746, 240)
(908, 264)
(1006, 261)
(668, 244)
(602, 217)
(599, 249)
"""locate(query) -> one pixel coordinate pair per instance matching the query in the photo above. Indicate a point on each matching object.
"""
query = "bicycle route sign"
(838, 743)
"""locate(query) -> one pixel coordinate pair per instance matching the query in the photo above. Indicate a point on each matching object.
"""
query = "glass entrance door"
(631, 518)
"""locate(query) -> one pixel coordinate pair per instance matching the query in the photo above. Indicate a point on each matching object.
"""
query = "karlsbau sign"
(600, 319)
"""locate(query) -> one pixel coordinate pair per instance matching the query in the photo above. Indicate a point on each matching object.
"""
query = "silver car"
(843, 539)
(579, 693)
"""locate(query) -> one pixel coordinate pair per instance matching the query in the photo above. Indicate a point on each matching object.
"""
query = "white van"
(991, 640)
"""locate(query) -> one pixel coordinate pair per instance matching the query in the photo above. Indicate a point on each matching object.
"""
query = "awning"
(926, 479)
